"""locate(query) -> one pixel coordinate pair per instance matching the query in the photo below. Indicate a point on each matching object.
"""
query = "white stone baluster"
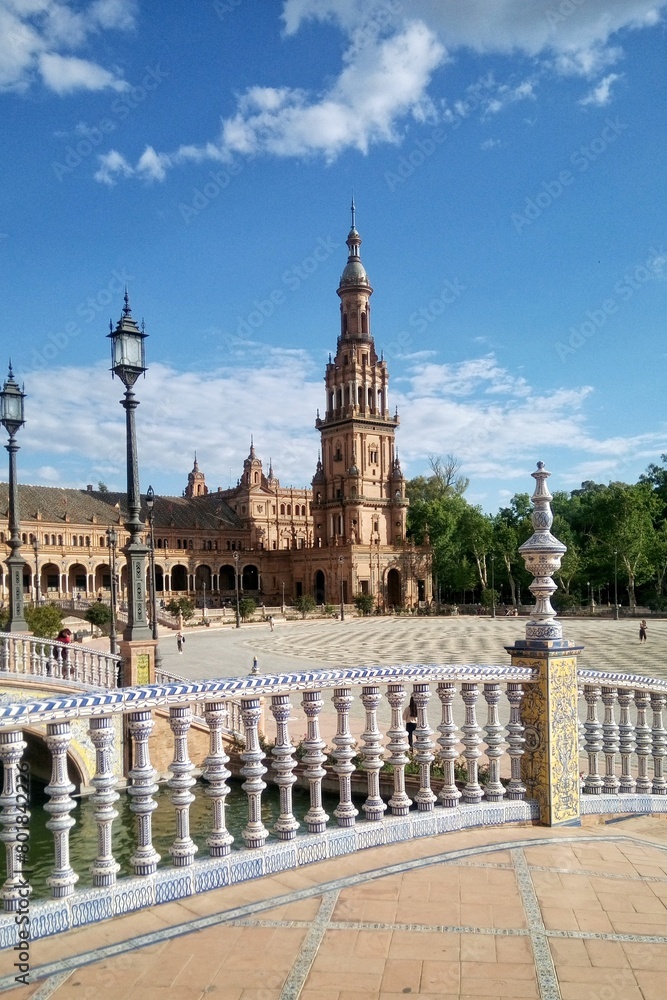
(423, 747)
(141, 790)
(515, 741)
(106, 867)
(63, 878)
(399, 803)
(627, 744)
(283, 766)
(609, 741)
(316, 818)
(659, 739)
(495, 790)
(254, 832)
(593, 743)
(183, 849)
(4, 655)
(371, 753)
(216, 773)
(472, 791)
(14, 817)
(643, 741)
(449, 754)
(343, 753)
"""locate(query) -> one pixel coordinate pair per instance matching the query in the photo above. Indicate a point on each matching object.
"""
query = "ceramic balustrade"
(24, 656)
(471, 773)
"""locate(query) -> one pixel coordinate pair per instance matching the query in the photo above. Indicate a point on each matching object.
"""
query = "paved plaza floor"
(562, 914)
(228, 652)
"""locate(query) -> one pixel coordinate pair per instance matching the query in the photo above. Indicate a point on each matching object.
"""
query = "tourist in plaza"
(642, 630)
(410, 719)
(180, 639)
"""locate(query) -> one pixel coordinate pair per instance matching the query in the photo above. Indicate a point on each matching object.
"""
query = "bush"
(329, 610)
(305, 604)
(99, 614)
(489, 598)
(247, 607)
(181, 605)
(364, 603)
(44, 621)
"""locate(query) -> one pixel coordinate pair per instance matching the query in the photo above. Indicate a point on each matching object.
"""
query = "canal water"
(83, 836)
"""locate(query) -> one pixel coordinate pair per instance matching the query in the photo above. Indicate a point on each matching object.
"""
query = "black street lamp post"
(236, 586)
(493, 585)
(615, 585)
(128, 363)
(12, 417)
(112, 539)
(150, 506)
(342, 604)
(35, 547)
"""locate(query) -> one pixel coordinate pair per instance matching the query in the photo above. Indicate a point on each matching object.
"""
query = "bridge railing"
(466, 768)
(22, 655)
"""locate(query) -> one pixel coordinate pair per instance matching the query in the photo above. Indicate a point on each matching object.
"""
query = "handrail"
(31, 656)
(133, 699)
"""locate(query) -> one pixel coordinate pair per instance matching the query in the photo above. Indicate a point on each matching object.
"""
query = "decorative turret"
(354, 291)
(252, 468)
(196, 482)
(542, 554)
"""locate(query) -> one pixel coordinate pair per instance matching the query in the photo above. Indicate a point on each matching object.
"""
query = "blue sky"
(507, 162)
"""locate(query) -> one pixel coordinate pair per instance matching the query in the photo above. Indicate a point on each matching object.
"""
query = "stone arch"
(39, 756)
(250, 577)
(320, 590)
(227, 581)
(179, 577)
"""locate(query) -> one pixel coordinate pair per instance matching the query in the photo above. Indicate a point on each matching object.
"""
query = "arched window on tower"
(331, 400)
(339, 400)
(370, 398)
(282, 508)
(257, 477)
(364, 322)
(360, 396)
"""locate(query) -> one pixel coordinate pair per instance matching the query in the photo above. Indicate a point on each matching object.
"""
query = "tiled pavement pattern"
(577, 914)
(608, 645)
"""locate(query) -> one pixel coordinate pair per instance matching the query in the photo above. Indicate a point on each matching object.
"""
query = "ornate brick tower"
(359, 502)
(196, 482)
(358, 489)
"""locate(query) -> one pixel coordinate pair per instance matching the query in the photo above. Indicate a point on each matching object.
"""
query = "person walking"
(642, 630)
(180, 639)
(410, 719)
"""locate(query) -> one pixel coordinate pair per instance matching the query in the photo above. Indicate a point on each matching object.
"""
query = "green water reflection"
(83, 836)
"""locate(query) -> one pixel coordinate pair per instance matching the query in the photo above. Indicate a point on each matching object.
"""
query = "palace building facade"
(345, 535)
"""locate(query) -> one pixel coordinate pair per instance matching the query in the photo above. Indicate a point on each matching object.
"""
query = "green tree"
(305, 604)
(102, 487)
(181, 605)
(247, 607)
(44, 621)
(99, 614)
(364, 603)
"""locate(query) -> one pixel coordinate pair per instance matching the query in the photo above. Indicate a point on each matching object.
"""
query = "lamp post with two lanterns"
(35, 549)
(128, 363)
(12, 417)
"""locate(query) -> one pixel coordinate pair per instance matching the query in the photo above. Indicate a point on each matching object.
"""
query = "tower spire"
(354, 212)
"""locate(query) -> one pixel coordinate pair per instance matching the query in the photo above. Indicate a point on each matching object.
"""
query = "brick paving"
(563, 914)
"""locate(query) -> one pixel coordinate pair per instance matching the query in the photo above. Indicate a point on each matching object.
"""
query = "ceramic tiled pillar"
(550, 762)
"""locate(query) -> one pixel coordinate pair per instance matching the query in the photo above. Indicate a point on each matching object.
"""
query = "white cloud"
(65, 74)
(601, 94)
(37, 38)
(490, 417)
(112, 165)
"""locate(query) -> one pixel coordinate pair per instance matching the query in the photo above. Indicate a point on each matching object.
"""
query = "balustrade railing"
(28, 656)
(465, 767)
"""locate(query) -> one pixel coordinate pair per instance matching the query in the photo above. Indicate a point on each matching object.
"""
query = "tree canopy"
(616, 538)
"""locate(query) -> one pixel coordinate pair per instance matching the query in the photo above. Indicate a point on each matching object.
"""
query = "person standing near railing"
(410, 719)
